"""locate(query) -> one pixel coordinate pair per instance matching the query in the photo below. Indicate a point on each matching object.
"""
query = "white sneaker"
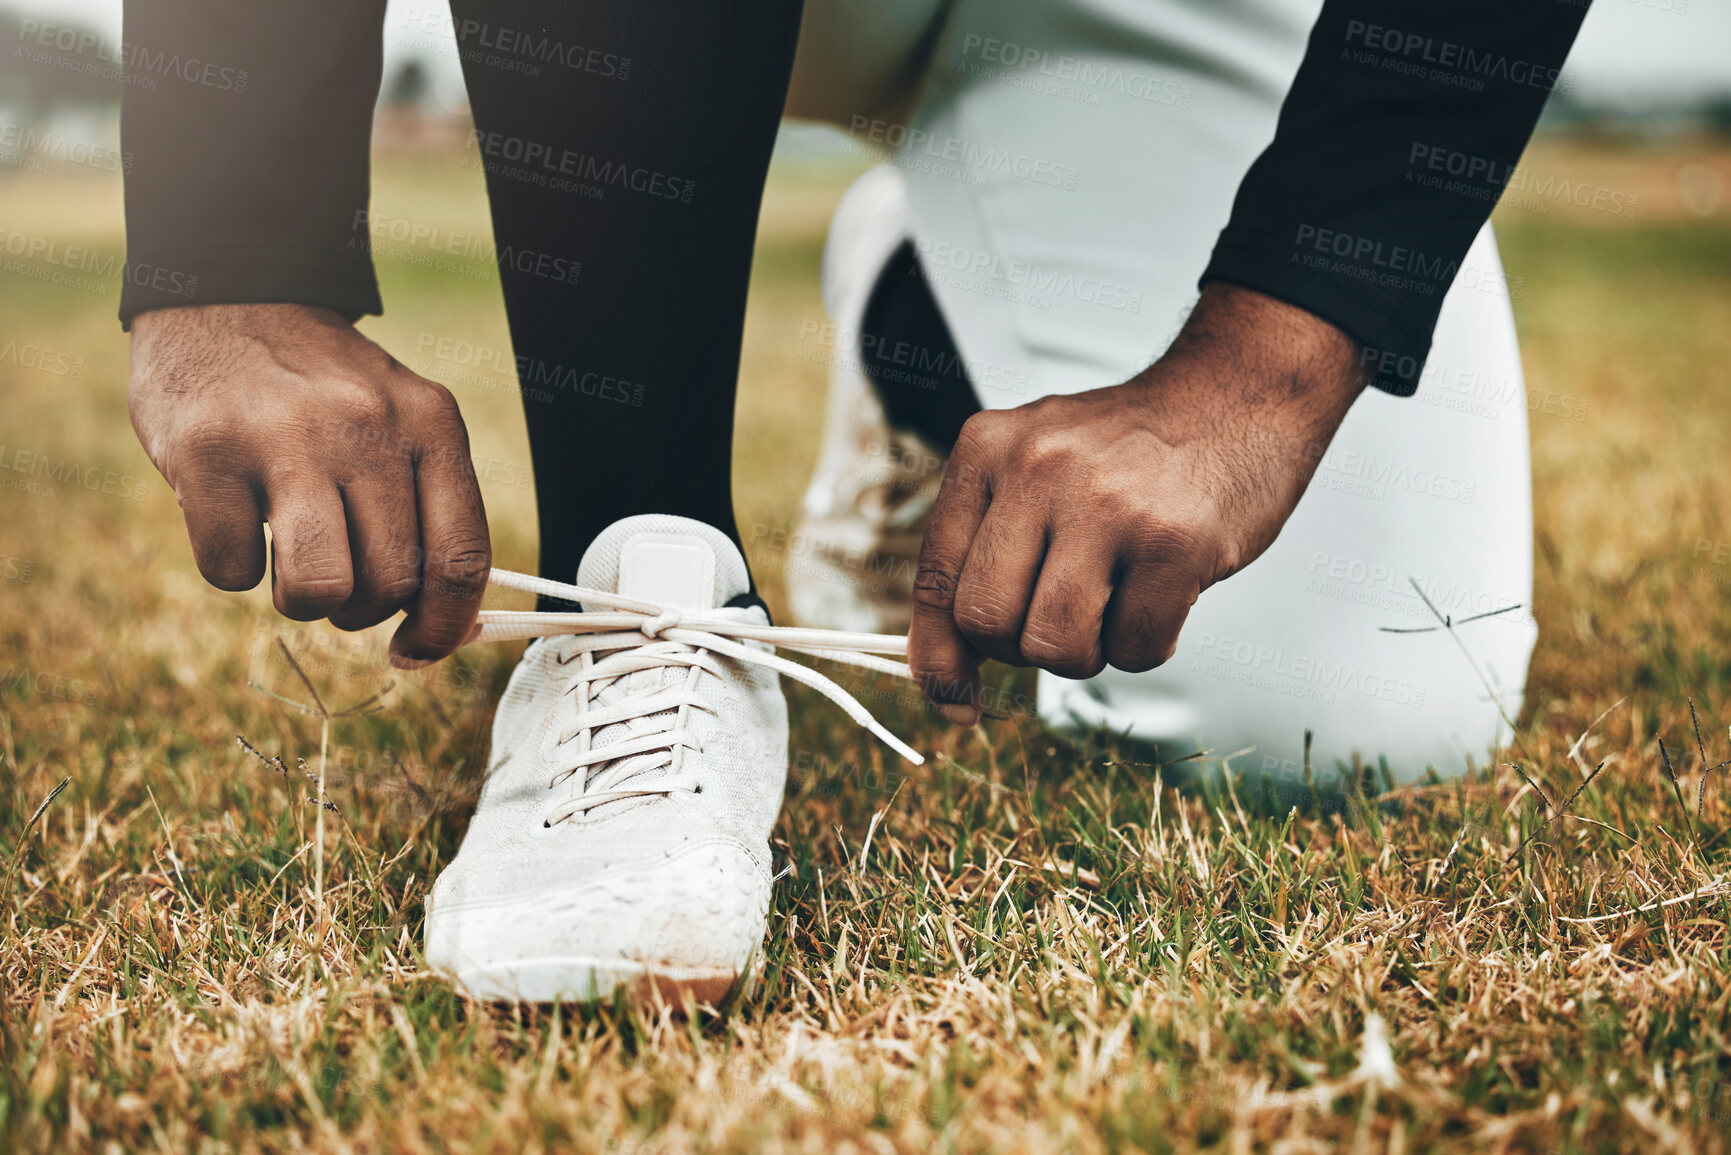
(639, 759)
(851, 559)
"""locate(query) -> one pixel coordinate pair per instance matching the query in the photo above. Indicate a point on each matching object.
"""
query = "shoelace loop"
(633, 634)
(668, 620)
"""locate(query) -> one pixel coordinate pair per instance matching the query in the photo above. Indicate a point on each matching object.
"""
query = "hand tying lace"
(629, 636)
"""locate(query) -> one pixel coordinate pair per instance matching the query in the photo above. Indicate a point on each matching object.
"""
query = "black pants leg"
(626, 144)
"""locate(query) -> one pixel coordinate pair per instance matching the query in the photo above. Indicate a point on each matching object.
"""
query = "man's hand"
(1077, 531)
(284, 414)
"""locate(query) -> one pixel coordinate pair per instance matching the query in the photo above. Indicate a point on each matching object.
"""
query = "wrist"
(266, 316)
(1262, 383)
(1269, 355)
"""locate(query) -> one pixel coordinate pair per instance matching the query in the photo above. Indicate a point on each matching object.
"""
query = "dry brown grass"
(1046, 949)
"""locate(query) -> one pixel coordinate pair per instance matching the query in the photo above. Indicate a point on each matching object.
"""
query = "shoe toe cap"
(704, 909)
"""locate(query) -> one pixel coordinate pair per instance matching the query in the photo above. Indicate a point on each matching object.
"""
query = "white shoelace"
(637, 635)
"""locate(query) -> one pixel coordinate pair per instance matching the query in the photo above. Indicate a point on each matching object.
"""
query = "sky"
(1634, 51)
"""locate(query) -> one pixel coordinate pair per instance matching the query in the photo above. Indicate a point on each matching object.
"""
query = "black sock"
(626, 144)
(907, 352)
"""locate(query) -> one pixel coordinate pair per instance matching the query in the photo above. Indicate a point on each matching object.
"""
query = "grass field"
(1043, 949)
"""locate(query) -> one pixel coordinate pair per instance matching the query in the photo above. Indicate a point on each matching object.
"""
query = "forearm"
(249, 171)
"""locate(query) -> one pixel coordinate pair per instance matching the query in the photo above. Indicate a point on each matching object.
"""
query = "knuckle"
(934, 586)
(1229, 558)
(1157, 538)
(436, 405)
(351, 618)
(385, 562)
(312, 593)
(1139, 659)
(1066, 656)
(200, 439)
(1121, 499)
(232, 580)
(313, 574)
(362, 405)
(1142, 639)
(1151, 654)
(460, 571)
(979, 435)
(1045, 449)
(208, 449)
(230, 569)
(988, 619)
(980, 427)
(395, 589)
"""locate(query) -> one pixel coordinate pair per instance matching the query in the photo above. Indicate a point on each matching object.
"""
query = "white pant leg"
(1434, 488)
(1069, 165)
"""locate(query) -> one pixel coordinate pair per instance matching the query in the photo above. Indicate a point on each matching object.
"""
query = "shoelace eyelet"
(709, 632)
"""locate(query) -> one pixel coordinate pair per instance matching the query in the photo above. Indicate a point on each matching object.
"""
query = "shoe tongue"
(671, 561)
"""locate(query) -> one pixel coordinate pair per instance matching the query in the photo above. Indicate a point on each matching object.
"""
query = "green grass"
(1047, 947)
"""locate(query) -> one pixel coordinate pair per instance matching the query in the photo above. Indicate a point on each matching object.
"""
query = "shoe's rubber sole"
(585, 980)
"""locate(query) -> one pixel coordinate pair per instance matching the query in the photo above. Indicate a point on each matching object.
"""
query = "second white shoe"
(852, 557)
(639, 759)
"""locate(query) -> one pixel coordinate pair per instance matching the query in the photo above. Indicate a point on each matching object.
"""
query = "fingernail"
(405, 663)
(959, 715)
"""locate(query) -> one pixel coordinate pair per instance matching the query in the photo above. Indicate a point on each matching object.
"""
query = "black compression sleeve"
(1398, 135)
(248, 127)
